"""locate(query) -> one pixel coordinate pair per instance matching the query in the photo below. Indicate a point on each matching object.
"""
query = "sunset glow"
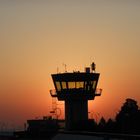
(38, 37)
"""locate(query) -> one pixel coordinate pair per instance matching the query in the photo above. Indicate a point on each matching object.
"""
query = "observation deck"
(77, 85)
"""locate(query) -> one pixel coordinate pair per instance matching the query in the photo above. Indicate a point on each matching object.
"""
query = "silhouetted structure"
(76, 89)
(45, 127)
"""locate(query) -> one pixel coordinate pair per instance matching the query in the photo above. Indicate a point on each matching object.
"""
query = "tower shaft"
(76, 111)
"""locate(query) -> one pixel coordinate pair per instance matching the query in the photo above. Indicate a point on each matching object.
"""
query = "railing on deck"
(98, 92)
(53, 93)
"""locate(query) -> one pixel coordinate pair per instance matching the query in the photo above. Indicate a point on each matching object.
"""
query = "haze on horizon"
(36, 37)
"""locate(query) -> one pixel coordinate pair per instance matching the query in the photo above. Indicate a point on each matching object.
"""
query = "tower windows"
(85, 85)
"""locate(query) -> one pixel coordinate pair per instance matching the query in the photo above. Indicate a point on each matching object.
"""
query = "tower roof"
(76, 76)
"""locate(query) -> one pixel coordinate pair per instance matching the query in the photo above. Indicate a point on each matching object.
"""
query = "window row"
(75, 85)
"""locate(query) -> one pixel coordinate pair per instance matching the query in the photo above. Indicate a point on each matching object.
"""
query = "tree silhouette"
(126, 121)
(102, 124)
(127, 118)
(110, 126)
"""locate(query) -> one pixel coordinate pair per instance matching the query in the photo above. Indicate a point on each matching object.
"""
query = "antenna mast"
(65, 66)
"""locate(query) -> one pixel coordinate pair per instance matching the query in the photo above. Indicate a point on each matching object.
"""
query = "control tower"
(76, 89)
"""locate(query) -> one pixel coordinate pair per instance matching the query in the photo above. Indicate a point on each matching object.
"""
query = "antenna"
(65, 66)
(54, 106)
(57, 70)
(93, 66)
(56, 112)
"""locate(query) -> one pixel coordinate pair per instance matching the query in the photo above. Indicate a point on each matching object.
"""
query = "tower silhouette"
(76, 89)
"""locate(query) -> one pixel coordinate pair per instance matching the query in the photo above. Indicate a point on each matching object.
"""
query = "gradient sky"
(37, 36)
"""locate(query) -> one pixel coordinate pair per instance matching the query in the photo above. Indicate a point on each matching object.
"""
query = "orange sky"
(36, 37)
